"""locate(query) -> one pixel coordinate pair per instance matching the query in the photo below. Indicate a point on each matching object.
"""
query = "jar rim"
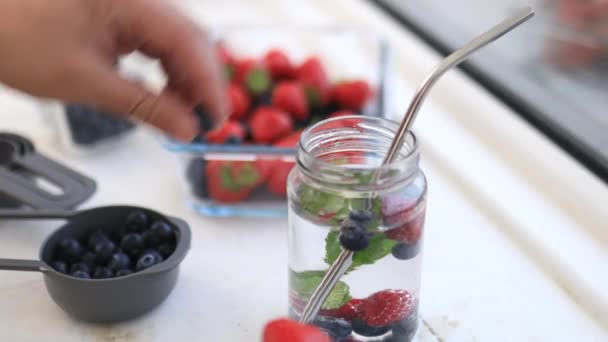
(407, 156)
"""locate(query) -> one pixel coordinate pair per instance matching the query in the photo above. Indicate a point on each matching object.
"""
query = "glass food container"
(332, 194)
(249, 179)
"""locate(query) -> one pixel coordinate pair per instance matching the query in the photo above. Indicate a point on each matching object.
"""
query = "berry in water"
(363, 329)
(387, 307)
(336, 327)
(405, 251)
(361, 215)
(353, 236)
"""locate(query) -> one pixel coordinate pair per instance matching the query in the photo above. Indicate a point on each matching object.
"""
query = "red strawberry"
(280, 169)
(269, 124)
(231, 129)
(230, 181)
(284, 330)
(351, 95)
(386, 307)
(397, 212)
(290, 97)
(278, 64)
(348, 311)
(313, 77)
(226, 60)
(242, 67)
(409, 232)
(239, 102)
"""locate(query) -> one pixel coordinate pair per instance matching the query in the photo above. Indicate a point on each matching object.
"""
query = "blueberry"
(119, 261)
(137, 222)
(353, 236)
(264, 99)
(95, 238)
(150, 240)
(361, 328)
(157, 256)
(361, 216)
(336, 327)
(103, 272)
(89, 125)
(247, 128)
(81, 274)
(161, 231)
(124, 272)
(80, 266)
(60, 266)
(199, 139)
(233, 140)
(145, 261)
(196, 176)
(166, 249)
(204, 118)
(406, 327)
(70, 249)
(405, 251)
(89, 258)
(132, 243)
(104, 250)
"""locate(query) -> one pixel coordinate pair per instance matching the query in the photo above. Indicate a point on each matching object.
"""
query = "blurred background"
(552, 71)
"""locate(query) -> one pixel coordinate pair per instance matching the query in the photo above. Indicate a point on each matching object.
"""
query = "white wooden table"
(516, 244)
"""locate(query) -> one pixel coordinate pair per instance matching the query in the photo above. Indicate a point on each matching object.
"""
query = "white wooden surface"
(516, 234)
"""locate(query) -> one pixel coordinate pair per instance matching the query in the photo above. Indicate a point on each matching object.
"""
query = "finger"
(99, 84)
(185, 52)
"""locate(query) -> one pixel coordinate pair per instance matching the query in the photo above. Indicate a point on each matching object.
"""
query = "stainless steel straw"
(344, 260)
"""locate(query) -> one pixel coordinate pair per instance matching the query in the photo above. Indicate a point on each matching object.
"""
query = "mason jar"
(339, 183)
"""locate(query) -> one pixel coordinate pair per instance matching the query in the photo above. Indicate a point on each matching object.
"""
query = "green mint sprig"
(304, 283)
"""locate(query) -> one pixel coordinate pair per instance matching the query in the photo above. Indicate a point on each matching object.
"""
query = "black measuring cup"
(22, 169)
(102, 300)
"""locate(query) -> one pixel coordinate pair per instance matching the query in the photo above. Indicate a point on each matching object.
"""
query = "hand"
(65, 49)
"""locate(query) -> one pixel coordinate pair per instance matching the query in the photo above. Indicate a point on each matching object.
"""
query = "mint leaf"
(379, 247)
(332, 247)
(317, 202)
(305, 283)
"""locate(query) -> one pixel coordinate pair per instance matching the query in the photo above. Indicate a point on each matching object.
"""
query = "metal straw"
(344, 260)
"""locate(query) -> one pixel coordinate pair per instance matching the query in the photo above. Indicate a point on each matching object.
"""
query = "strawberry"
(314, 79)
(277, 181)
(349, 311)
(290, 97)
(352, 95)
(239, 102)
(269, 124)
(291, 140)
(226, 60)
(397, 212)
(230, 130)
(230, 181)
(278, 64)
(284, 330)
(386, 307)
(242, 68)
(409, 232)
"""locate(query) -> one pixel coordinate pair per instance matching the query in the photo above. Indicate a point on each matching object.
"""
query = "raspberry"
(387, 307)
(409, 232)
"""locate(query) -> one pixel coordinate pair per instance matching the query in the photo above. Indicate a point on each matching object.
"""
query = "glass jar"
(339, 181)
